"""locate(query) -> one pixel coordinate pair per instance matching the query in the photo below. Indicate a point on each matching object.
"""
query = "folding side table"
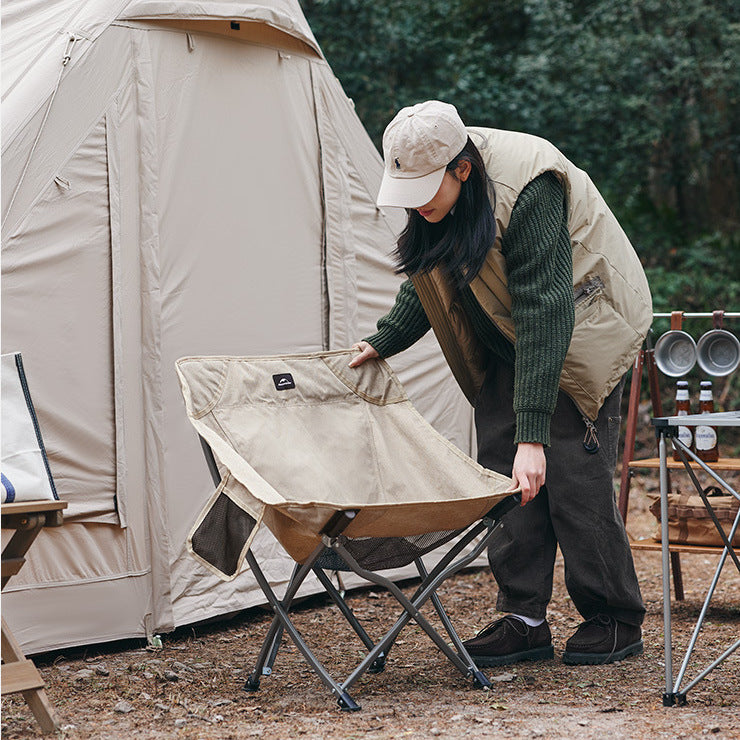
(26, 518)
(666, 428)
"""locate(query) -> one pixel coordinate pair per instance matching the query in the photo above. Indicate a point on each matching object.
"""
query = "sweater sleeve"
(538, 255)
(404, 324)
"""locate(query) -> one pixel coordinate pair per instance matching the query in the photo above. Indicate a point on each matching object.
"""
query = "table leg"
(668, 696)
(23, 536)
(20, 674)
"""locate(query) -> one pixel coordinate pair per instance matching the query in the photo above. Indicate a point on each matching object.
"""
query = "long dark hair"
(462, 239)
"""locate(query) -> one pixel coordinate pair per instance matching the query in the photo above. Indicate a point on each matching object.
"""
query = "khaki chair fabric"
(304, 436)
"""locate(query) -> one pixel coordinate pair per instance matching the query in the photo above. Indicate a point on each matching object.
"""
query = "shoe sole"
(488, 661)
(602, 658)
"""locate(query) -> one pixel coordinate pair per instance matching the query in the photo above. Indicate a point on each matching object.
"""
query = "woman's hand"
(529, 469)
(367, 352)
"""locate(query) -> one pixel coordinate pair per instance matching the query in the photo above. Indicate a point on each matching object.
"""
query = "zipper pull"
(590, 439)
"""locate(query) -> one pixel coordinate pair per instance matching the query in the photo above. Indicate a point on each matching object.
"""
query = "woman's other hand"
(529, 468)
(367, 352)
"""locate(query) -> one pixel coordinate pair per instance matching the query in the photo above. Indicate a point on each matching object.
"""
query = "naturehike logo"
(283, 382)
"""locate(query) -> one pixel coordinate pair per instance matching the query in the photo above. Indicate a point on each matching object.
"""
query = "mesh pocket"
(383, 553)
(219, 539)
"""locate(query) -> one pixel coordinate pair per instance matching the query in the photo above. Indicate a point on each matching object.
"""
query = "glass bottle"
(683, 408)
(706, 436)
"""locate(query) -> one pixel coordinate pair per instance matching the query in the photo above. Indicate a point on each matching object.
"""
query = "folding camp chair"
(347, 476)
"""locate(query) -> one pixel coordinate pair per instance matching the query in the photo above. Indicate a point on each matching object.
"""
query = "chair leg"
(479, 678)
(444, 569)
(345, 701)
(275, 634)
(379, 664)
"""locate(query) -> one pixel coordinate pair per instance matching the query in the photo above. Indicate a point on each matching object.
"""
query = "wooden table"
(26, 518)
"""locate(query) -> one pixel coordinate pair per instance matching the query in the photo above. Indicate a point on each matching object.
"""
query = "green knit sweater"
(537, 250)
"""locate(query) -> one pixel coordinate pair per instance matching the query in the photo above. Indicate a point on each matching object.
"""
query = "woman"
(540, 305)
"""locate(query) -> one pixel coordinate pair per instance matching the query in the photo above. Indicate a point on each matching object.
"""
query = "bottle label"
(706, 438)
(684, 435)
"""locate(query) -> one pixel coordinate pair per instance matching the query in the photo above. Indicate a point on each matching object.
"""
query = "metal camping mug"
(718, 352)
(675, 353)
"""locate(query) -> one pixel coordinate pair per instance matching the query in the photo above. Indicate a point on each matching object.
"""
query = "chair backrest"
(303, 436)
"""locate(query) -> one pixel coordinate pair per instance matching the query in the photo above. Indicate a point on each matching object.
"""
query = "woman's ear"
(463, 170)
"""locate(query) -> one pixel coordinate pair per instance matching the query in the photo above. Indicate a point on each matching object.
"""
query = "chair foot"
(675, 699)
(347, 703)
(378, 665)
(252, 683)
(480, 680)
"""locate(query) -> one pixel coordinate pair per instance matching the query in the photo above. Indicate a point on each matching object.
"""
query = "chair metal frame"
(451, 562)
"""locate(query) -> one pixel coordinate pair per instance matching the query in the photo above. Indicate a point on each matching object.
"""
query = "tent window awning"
(248, 32)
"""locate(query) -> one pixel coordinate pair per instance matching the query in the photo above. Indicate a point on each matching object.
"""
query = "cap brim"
(409, 192)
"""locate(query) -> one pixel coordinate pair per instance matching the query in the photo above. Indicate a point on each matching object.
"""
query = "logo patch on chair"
(283, 381)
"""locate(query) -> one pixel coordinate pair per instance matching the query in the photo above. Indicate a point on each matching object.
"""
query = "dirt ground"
(193, 686)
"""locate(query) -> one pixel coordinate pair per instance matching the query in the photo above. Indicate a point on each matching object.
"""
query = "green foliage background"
(644, 95)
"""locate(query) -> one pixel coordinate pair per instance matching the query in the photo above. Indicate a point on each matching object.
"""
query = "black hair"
(461, 240)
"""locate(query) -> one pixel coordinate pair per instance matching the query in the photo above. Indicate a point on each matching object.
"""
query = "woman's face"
(449, 191)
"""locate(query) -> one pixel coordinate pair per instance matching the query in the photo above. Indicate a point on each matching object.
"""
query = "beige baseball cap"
(418, 144)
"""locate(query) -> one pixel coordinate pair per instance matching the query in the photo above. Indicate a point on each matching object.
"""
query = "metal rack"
(645, 360)
(667, 429)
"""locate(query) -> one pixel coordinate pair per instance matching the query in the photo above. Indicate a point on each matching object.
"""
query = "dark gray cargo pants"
(576, 509)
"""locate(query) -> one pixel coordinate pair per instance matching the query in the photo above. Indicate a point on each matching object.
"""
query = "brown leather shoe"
(509, 640)
(602, 639)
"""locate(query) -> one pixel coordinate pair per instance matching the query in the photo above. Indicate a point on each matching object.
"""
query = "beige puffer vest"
(613, 308)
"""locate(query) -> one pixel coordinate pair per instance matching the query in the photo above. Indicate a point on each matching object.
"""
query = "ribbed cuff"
(385, 341)
(532, 426)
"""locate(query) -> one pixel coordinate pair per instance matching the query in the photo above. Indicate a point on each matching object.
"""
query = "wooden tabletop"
(724, 463)
(31, 507)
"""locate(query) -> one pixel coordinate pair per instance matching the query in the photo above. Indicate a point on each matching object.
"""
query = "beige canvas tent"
(178, 178)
